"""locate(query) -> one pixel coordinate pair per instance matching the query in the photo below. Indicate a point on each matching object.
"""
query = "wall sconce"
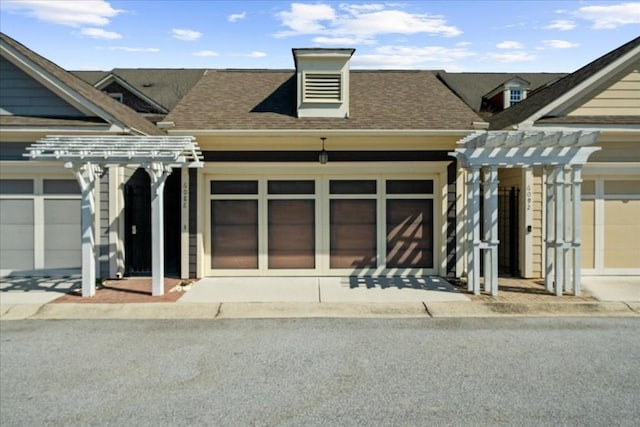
(323, 158)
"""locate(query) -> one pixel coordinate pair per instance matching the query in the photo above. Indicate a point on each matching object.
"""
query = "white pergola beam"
(562, 153)
(86, 154)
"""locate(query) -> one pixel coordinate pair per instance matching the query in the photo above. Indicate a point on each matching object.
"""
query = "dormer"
(507, 94)
(322, 77)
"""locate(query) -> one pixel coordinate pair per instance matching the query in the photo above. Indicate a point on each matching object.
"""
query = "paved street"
(294, 372)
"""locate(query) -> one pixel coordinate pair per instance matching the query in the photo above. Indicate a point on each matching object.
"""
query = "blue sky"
(514, 36)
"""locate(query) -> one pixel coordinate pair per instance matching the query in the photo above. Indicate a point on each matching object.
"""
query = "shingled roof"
(166, 86)
(266, 99)
(123, 114)
(529, 106)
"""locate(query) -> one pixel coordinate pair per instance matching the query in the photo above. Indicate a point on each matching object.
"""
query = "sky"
(451, 35)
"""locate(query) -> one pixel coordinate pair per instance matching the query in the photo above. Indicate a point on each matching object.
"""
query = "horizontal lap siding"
(620, 99)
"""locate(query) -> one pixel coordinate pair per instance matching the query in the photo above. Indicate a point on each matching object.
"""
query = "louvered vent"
(322, 87)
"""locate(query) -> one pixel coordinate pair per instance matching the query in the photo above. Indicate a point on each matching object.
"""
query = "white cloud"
(236, 16)
(65, 12)
(99, 33)
(386, 57)
(256, 54)
(463, 44)
(206, 53)
(305, 18)
(359, 22)
(561, 24)
(186, 35)
(345, 41)
(611, 16)
(510, 44)
(559, 44)
(133, 49)
(510, 57)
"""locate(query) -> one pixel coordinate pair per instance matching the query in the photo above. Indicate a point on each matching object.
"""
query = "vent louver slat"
(322, 86)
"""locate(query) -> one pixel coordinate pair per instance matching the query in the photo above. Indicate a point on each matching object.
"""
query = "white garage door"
(611, 226)
(39, 227)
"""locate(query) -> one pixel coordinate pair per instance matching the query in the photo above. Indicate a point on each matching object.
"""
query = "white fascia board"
(122, 82)
(575, 92)
(316, 132)
(110, 129)
(57, 86)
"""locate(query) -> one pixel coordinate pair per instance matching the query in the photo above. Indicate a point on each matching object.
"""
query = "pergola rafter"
(88, 155)
(562, 154)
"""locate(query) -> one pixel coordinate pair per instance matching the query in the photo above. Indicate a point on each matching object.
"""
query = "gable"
(21, 95)
(131, 99)
(620, 98)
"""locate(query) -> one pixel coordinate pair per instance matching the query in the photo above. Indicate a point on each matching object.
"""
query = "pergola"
(562, 154)
(88, 155)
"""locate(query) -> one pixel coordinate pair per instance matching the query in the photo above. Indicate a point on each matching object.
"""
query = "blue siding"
(21, 95)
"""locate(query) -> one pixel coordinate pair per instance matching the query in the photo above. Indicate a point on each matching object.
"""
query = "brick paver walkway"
(521, 290)
(127, 290)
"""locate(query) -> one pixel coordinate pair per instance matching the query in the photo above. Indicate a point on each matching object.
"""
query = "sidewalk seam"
(218, 312)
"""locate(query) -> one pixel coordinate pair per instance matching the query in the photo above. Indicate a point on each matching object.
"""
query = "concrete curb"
(317, 310)
(536, 309)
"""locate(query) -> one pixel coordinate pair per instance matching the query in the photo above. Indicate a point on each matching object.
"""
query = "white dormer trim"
(322, 82)
(515, 90)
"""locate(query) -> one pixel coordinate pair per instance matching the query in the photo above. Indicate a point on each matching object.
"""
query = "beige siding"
(511, 177)
(622, 234)
(588, 233)
(620, 99)
(537, 231)
(616, 150)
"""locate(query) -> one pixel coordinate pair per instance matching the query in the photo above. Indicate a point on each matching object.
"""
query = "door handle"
(133, 229)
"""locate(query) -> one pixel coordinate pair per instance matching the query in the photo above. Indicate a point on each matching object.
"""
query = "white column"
(158, 173)
(549, 229)
(86, 176)
(487, 224)
(473, 230)
(559, 229)
(577, 238)
(492, 187)
(568, 229)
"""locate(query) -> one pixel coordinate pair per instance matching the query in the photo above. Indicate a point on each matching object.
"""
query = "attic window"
(117, 96)
(515, 96)
(322, 87)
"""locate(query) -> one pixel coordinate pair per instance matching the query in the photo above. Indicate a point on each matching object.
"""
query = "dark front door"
(137, 211)
(508, 231)
(137, 214)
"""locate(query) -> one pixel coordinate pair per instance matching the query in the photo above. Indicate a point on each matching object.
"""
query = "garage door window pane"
(291, 187)
(234, 234)
(410, 233)
(409, 186)
(16, 186)
(61, 186)
(348, 186)
(234, 187)
(291, 234)
(353, 234)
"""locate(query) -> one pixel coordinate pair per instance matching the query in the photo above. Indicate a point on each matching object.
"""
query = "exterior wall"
(21, 95)
(622, 98)
(103, 222)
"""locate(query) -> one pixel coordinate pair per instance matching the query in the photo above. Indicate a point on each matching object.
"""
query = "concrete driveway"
(35, 290)
(612, 288)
